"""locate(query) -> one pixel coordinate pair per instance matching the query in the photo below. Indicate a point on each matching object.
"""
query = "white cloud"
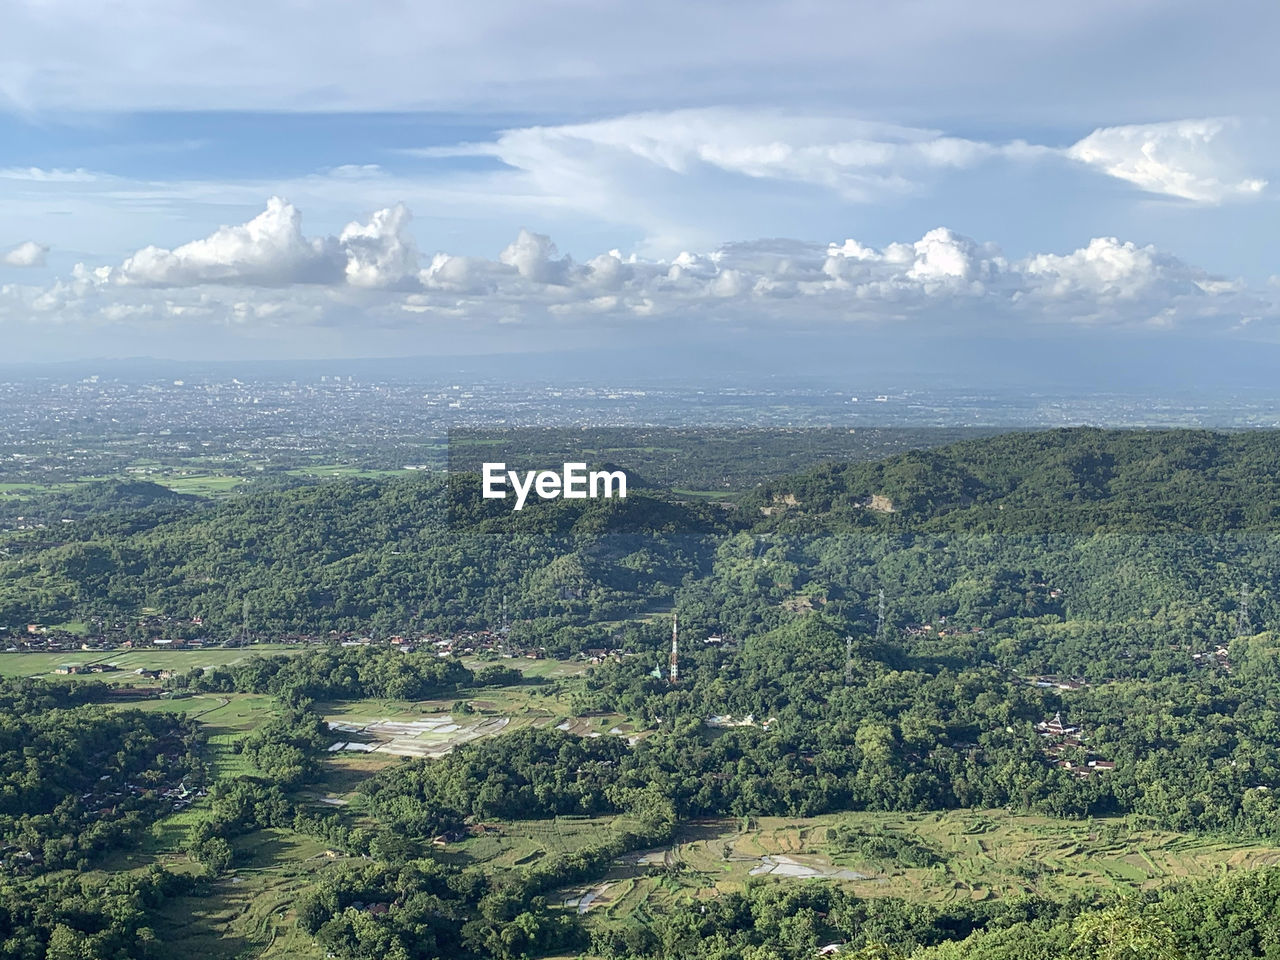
(534, 257)
(1107, 268)
(859, 159)
(455, 274)
(942, 254)
(27, 254)
(666, 181)
(268, 273)
(381, 253)
(685, 175)
(1195, 160)
(41, 175)
(269, 250)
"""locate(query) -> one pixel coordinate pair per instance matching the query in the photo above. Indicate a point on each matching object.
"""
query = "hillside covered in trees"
(1077, 625)
(400, 554)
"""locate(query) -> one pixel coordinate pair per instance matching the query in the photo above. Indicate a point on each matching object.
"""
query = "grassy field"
(330, 471)
(982, 855)
(978, 855)
(249, 912)
(225, 719)
(201, 479)
(25, 490)
(199, 484)
(545, 669)
(148, 658)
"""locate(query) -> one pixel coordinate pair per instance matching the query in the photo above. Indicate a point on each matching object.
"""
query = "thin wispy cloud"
(860, 160)
(991, 58)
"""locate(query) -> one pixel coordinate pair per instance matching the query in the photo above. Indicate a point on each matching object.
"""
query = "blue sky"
(188, 179)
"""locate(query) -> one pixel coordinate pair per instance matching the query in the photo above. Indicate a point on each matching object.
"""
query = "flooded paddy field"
(432, 736)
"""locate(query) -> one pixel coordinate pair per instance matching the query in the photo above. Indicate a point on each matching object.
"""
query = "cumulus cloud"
(1107, 268)
(461, 275)
(266, 272)
(1195, 160)
(269, 250)
(943, 255)
(534, 257)
(27, 254)
(661, 181)
(380, 253)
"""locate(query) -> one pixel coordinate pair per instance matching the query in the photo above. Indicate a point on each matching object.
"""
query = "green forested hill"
(362, 554)
(389, 555)
(1064, 482)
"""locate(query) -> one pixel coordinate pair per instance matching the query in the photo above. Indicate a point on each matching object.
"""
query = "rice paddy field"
(250, 911)
(431, 728)
(981, 855)
(505, 845)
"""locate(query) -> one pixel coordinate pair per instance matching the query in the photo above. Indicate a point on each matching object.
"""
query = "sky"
(293, 180)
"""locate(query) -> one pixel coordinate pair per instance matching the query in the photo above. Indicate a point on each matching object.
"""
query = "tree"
(1123, 932)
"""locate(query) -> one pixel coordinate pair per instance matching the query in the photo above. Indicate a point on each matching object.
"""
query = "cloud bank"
(268, 273)
(1001, 58)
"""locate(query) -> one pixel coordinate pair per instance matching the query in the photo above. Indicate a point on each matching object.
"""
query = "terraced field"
(981, 855)
(505, 844)
(250, 909)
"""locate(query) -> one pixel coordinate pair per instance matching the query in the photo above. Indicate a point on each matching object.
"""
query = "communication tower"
(1243, 626)
(674, 673)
